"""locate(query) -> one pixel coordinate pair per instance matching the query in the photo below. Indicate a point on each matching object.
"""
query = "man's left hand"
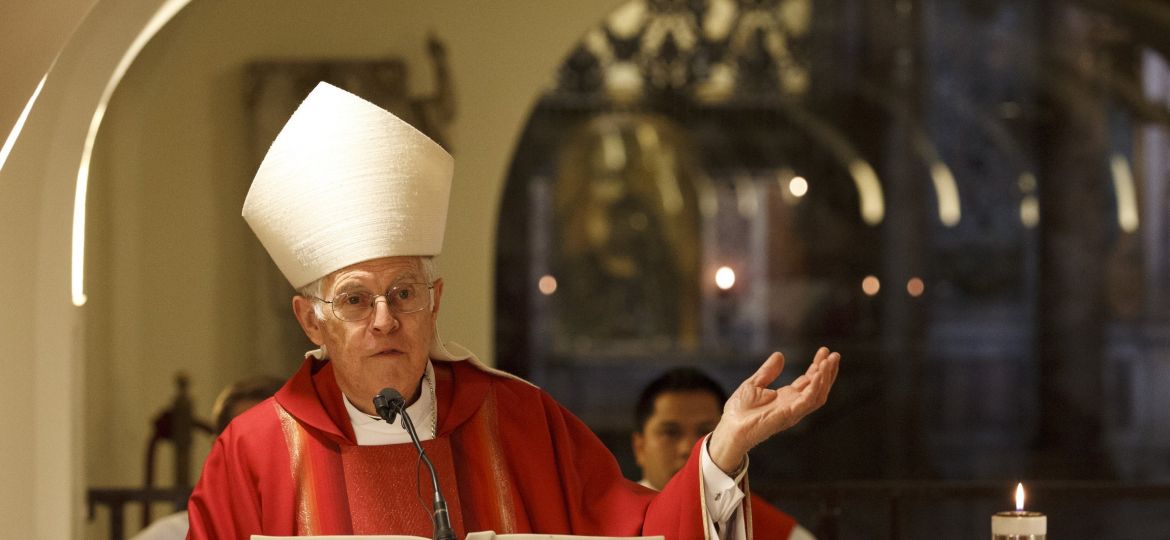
(755, 412)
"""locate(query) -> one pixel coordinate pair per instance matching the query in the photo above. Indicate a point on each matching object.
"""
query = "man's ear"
(638, 441)
(438, 284)
(303, 309)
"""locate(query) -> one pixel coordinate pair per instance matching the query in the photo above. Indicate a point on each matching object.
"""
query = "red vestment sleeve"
(237, 494)
(233, 497)
(769, 521)
(584, 478)
(677, 511)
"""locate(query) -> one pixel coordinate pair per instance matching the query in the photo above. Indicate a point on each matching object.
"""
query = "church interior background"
(967, 198)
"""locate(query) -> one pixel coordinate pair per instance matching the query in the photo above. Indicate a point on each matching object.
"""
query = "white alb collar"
(372, 431)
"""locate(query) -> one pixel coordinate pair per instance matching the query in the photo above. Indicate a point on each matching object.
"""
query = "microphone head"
(392, 396)
(388, 402)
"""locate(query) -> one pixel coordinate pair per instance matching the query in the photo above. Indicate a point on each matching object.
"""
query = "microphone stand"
(389, 403)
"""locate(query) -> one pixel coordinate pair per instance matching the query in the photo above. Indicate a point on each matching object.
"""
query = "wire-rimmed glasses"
(402, 298)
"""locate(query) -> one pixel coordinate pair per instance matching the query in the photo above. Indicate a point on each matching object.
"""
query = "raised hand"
(755, 412)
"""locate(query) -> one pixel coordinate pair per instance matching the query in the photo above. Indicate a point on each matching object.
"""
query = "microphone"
(389, 403)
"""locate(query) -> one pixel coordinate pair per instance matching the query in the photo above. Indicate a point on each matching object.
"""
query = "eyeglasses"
(403, 298)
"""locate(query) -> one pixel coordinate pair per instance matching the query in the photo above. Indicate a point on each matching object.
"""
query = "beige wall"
(166, 245)
(39, 465)
(31, 34)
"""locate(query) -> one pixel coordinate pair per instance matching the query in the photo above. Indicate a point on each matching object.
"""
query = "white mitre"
(344, 182)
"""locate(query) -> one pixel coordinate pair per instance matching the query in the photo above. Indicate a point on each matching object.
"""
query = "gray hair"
(315, 289)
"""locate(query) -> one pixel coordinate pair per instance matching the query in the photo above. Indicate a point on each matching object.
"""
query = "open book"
(481, 535)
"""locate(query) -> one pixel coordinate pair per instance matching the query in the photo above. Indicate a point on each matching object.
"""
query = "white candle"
(1020, 523)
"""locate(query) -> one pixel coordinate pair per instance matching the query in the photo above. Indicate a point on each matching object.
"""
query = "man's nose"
(385, 319)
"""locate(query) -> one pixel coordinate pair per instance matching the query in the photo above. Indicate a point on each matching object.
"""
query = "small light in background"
(1125, 193)
(798, 186)
(1029, 211)
(724, 277)
(869, 191)
(871, 285)
(947, 191)
(547, 284)
(915, 286)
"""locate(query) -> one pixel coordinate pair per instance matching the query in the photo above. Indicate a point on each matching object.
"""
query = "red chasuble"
(766, 520)
(509, 459)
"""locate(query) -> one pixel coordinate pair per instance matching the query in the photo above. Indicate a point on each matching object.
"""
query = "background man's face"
(677, 421)
(385, 349)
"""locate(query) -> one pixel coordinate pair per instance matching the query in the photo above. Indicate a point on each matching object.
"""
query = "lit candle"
(1020, 524)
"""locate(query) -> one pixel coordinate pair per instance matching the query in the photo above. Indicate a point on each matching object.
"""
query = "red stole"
(390, 490)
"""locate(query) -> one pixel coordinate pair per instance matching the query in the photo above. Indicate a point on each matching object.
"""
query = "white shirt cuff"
(723, 497)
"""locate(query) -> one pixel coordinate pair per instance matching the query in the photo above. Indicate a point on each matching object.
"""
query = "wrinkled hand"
(755, 412)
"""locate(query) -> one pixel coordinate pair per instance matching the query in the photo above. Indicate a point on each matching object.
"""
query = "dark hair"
(255, 389)
(680, 379)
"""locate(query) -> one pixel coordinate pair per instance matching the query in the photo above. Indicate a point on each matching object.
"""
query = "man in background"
(675, 410)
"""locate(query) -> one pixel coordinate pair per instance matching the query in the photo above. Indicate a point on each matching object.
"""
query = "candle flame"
(1020, 497)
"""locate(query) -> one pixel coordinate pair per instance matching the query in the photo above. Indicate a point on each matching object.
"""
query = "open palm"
(756, 412)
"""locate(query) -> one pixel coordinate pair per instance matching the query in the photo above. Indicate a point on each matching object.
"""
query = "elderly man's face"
(679, 420)
(385, 349)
